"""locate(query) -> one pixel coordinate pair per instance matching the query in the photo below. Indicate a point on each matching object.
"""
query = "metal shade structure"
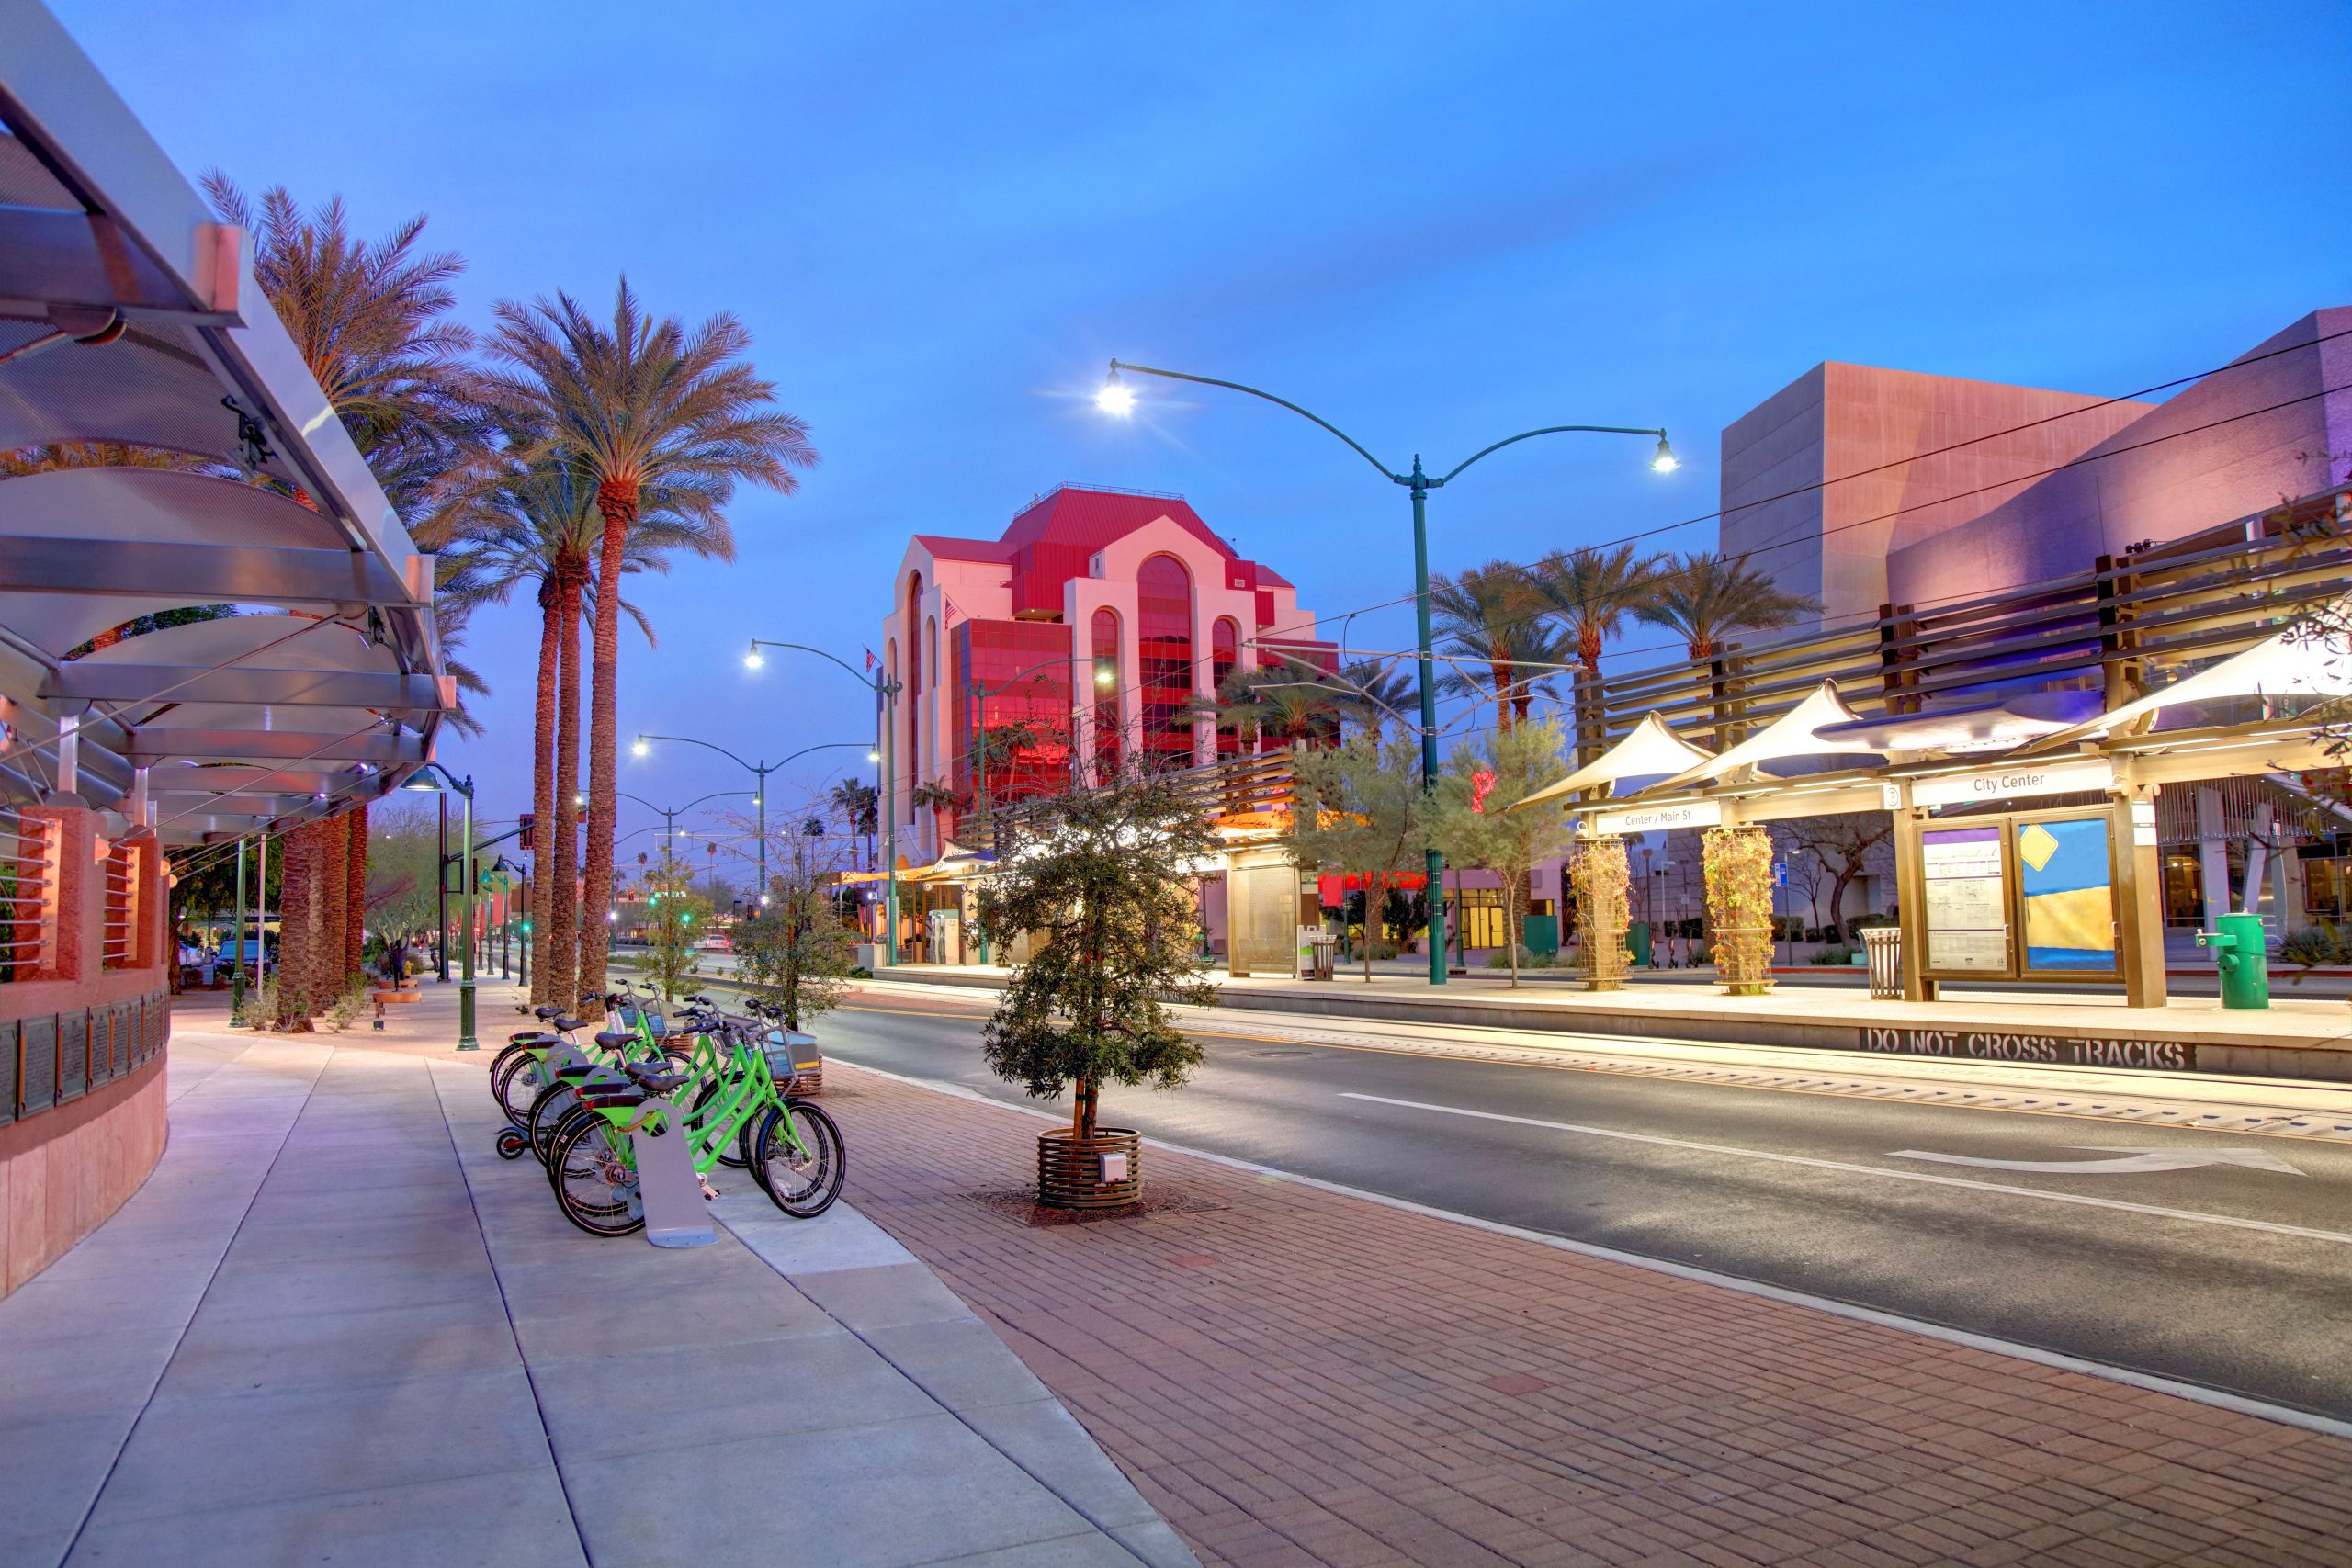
(1792, 735)
(130, 318)
(2298, 662)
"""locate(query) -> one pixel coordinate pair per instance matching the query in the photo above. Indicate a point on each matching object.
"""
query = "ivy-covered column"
(1739, 906)
(1599, 878)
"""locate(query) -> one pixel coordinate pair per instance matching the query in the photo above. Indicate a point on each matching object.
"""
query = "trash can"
(1883, 945)
(2243, 954)
(1542, 933)
(1637, 943)
(1318, 948)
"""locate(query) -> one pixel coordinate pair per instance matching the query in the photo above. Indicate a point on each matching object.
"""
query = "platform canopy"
(1650, 749)
(1791, 735)
(203, 590)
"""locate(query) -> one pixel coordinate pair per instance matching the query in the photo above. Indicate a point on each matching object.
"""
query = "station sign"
(2013, 784)
(1658, 818)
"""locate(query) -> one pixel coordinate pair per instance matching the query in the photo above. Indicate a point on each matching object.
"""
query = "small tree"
(675, 920)
(795, 954)
(1474, 822)
(1841, 846)
(1360, 806)
(1104, 883)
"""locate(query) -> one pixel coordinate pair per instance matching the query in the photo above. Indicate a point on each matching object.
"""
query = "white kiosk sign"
(1655, 818)
(2010, 783)
(1967, 925)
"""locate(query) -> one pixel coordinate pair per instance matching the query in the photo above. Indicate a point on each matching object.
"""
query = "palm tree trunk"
(354, 873)
(297, 923)
(543, 787)
(616, 500)
(1501, 671)
(562, 960)
(335, 904)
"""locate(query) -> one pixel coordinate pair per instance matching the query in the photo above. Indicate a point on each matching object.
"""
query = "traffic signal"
(525, 839)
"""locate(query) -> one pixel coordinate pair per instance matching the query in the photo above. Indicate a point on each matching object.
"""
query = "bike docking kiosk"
(667, 1182)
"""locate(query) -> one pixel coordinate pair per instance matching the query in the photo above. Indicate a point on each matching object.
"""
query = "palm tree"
(1703, 598)
(522, 522)
(1591, 591)
(640, 403)
(859, 804)
(1289, 703)
(1489, 615)
(1377, 693)
(370, 320)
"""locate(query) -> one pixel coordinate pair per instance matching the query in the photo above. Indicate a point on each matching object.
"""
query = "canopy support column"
(1911, 897)
(2139, 889)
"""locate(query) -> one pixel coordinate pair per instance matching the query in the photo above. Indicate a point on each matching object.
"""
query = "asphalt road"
(1800, 1190)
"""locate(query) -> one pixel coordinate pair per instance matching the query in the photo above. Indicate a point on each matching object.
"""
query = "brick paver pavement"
(1299, 1377)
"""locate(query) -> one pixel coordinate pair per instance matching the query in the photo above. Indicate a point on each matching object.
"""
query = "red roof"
(943, 548)
(1089, 519)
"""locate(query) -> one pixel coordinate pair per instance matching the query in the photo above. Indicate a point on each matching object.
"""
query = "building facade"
(1100, 619)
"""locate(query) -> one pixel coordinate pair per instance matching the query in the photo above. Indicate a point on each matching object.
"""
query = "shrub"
(349, 1007)
(1840, 956)
(2313, 946)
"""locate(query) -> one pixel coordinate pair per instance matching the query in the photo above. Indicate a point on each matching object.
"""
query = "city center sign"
(2096, 775)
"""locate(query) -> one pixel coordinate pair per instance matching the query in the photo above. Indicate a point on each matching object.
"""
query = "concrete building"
(1095, 621)
(1932, 489)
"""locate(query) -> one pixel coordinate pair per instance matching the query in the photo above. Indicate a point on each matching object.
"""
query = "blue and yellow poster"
(2069, 903)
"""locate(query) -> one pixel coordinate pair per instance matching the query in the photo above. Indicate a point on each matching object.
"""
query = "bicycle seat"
(656, 1083)
(567, 1024)
(614, 1037)
(533, 1037)
(544, 1011)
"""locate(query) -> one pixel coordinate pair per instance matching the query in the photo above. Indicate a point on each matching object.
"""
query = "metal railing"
(2129, 625)
(27, 897)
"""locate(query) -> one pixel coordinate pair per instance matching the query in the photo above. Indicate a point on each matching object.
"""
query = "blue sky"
(1434, 225)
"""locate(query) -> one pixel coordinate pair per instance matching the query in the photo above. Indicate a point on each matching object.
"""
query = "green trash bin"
(2243, 956)
(1543, 932)
(1637, 943)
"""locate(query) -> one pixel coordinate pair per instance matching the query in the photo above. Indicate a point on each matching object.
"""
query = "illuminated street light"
(753, 660)
(1666, 462)
(1116, 397)
(638, 748)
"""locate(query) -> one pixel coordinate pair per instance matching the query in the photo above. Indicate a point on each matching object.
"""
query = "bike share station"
(2027, 873)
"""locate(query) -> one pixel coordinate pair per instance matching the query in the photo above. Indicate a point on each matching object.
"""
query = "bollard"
(2243, 955)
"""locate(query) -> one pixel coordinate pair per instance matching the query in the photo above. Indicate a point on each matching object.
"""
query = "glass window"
(1021, 723)
(1225, 658)
(1164, 647)
(1105, 632)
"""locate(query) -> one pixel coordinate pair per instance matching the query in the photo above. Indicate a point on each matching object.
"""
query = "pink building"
(1097, 619)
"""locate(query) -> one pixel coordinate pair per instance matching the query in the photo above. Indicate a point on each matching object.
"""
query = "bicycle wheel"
(514, 1084)
(802, 1179)
(549, 1109)
(562, 1126)
(595, 1186)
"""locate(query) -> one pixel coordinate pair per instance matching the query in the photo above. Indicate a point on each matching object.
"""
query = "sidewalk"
(1298, 1378)
(334, 1327)
(2295, 1037)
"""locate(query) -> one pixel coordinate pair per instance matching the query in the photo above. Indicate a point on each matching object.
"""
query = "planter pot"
(394, 998)
(1104, 1171)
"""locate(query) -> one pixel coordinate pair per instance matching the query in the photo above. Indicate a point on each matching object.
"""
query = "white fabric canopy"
(1791, 735)
(2298, 661)
(1651, 751)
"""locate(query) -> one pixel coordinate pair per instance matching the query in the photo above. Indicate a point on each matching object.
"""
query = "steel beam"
(241, 574)
(106, 682)
(49, 257)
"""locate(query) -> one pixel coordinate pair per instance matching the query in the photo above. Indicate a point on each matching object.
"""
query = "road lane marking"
(2135, 1159)
(2232, 1221)
(2202, 1394)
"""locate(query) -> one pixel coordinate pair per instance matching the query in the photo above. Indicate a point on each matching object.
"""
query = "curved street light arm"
(867, 678)
(1547, 430)
(690, 740)
(1386, 472)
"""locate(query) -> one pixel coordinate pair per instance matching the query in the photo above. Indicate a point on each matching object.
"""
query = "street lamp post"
(465, 791)
(758, 770)
(1116, 397)
(885, 688)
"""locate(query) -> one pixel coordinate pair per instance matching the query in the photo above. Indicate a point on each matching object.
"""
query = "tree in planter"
(1598, 876)
(1739, 906)
(1103, 882)
(1360, 806)
(1474, 822)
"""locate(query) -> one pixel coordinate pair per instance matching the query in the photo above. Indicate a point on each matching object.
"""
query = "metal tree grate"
(27, 897)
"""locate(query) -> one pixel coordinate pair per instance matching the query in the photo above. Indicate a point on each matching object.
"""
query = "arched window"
(1164, 649)
(1225, 658)
(1107, 682)
(912, 694)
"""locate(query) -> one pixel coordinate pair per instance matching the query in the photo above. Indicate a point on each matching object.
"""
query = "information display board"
(1964, 874)
(2066, 886)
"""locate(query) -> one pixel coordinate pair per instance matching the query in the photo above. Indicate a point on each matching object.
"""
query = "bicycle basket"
(791, 1053)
